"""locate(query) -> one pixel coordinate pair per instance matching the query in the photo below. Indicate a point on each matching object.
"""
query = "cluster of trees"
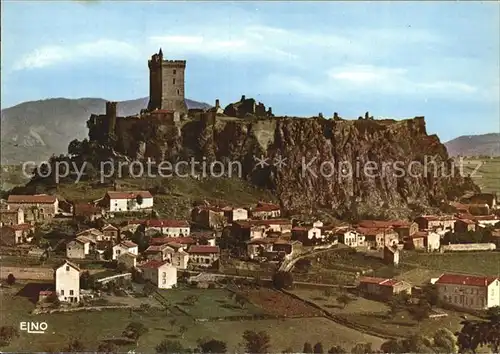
(481, 235)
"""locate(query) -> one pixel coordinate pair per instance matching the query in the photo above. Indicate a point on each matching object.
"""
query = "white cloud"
(53, 55)
(362, 74)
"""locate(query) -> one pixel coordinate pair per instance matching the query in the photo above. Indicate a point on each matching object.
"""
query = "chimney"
(217, 104)
(242, 98)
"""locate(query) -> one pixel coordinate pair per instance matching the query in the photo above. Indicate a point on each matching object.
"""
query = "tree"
(307, 348)
(337, 349)
(256, 342)
(240, 300)
(107, 347)
(134, 331)
(7, 333)
(212, 346)
(344, 300)
(85, 280)
(421, 311)
(75, 345)
(139, 199)
(446, 341)
(11, 279)
(169, 346)
(191, 300)
(362, 348)
(480, 333)
(148, 289)
(318, 348)
(283, 280)
(431, 295)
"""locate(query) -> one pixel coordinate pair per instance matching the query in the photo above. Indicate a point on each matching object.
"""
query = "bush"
(11, 279)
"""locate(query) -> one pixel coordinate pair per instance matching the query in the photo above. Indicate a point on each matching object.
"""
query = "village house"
(67, 279)
(465, 225)
(170, 228)
(234, 214)
(383, 288)
(127, 201)
(266, 211)
(436, 222)
(378, 237)
(425, 240)
(203, 256)
(79, 248)
(174, 242)
(11, 217)
(467, 291)
(204, 237)
(129, 260)
(161, 274)
(110, 233)
(123, 247)
(349, 236)
(402, 227)
(259, 246)
(287, 248)
(391, 255)
(486, 220)
(11, 235)
(35, 207)
(180, 259)
(87, 211)
(251, 229)
(210, 217)
(92, 234)
(159, 252)
(307, 235)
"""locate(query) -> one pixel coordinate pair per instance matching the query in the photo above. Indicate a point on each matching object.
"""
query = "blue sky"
(399, 59)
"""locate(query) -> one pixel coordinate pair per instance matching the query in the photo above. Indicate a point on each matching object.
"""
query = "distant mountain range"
(33, 131)
(475, 145)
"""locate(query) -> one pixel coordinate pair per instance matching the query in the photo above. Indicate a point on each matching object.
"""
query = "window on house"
(175, 71)
(207, 261)
(67, 268)
(164, 281)
(173, 81)
(62, 292)
(71, 292)
(178, 92)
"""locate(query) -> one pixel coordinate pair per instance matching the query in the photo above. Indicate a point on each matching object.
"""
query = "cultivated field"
(485, 172)
(94, 327)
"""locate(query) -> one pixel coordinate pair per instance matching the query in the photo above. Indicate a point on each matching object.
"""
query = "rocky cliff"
(347, 166)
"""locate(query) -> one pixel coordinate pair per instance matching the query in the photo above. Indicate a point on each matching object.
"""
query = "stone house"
(159, 252)
(203, 256)
(210, 217)
(35, 207)
(307, 235)
(402, 227)
(110, 233)
(266, 211)
(391, 255)
(127, 201)
(128, 259)
(180, 259)
(79, 248)
(11, 235)
(87, 211)
(468, 291)
(465, 225)
(161, 274)
(257, 247)
(436, 222)
(67, 282)
(234, 214)
(349, 237)
(174, 242)
(124, 247)
(383, 288)
(170, 228)
(377, 238)
(92, 234)
(11, 217)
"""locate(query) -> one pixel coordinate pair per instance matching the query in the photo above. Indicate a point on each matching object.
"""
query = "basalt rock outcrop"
(313, 162)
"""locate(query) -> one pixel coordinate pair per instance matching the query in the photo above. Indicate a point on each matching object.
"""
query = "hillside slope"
(33, 131)
(475, 145)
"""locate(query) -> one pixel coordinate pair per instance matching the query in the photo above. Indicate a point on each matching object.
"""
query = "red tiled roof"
(300, 228)
(153, 264)
(261, 206)
(83, 239)
(271, 222)
(437, 217)
(203, 249)
(32, 199)
(129, 194)
(379, 281)
(128, 244)
(109, 227)
(85, 209)
(24, 226)
(372, 231)
(460, 279)
(384, 223)
(467, 221)
(156, 248)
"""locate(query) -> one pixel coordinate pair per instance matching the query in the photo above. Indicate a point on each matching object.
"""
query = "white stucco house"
(127, 201)
(468, 291)
(124, 247)
(170, 228)
(162, 274)
(203, 255)
(67, 279)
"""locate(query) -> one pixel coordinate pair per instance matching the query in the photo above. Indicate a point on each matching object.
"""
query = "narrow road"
(287, 265)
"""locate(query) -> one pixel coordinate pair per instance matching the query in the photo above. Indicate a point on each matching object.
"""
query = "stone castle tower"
(166, 84)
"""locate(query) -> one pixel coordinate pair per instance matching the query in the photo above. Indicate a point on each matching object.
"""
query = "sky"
(394, 59)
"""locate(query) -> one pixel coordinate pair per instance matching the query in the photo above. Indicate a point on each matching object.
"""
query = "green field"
(94, 327)
(484, 172)
(480, 263)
